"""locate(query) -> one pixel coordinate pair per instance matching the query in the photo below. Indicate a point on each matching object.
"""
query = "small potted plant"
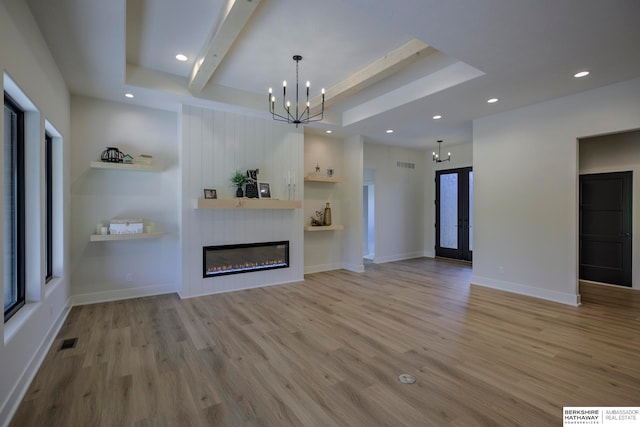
(238, 180)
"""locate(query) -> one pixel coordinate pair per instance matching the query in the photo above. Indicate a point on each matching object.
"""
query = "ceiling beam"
(234, 18)
(381, 68)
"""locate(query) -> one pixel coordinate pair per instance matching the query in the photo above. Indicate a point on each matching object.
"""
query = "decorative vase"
(112, 155)
(239, 192)
(327, 214)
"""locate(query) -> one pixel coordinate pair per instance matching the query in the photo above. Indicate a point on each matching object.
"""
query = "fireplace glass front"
(244, 258)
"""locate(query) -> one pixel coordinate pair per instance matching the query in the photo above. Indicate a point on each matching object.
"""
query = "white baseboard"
(429, 254)
(546, 294)
(309, 269)
(397, 257)
(120, 294)
(14, 399)
(356, 268)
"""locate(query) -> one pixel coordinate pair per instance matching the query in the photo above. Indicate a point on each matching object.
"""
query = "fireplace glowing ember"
(243, 258)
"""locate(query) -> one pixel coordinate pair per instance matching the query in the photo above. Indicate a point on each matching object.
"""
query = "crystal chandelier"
(437, 158)
(296, 117)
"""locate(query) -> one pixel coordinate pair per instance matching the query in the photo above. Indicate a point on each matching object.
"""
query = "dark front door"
(605, 227)
(454, 214)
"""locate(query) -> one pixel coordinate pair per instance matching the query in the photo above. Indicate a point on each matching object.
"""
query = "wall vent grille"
(405, 165)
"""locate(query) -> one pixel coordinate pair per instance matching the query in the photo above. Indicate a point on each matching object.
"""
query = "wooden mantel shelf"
(324, 227)
(245, 203)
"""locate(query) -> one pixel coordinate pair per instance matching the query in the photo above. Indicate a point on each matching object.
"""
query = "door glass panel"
(449, 210)
(471, 210)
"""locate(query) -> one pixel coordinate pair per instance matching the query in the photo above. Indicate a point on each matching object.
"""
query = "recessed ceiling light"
(389, 130)
(181, 57)
(128, 95)
(329, 131)
(492, 100)
(581, 74)
(437, 117)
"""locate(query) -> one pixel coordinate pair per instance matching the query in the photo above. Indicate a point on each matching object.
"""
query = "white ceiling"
(519, 51)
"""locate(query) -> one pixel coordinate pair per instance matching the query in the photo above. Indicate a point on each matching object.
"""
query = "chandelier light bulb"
(308, 83)
(270, 90)
(322, 91)
(284, 83)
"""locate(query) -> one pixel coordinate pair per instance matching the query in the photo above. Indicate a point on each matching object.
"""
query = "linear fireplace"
(244, 258)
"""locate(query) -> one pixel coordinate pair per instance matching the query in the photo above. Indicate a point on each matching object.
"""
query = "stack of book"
(144, 159)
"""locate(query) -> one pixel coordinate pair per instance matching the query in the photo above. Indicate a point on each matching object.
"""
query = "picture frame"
(264, 190)
(210, 193)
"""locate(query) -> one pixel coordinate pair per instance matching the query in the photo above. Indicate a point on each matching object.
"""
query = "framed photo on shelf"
(264, 190)
(210, 193)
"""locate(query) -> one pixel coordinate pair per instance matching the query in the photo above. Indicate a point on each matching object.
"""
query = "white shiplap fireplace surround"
(213, 145)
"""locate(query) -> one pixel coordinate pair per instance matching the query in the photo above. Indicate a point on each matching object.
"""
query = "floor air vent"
(69, 343)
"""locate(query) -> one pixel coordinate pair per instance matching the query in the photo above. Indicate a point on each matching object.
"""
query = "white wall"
(461, 157)
(29, 333)
(526, 181)
(354, 163)
(323, 251)
(400, 202)
(213, 145)
(99, 270)
(618, 152)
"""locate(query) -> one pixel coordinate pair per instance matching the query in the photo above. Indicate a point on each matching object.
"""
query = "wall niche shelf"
(126, 166)
(322, 178)
(244, 203)
(113, 237)
(323, 227)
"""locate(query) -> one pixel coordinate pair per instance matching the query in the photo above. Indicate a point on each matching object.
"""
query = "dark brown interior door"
(605, 227)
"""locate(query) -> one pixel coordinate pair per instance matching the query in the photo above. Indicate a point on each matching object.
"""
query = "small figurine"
(251, 188)
(317, 168)
(318, 220)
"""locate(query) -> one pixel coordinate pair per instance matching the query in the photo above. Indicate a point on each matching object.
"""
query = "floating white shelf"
(126, 166)
(244, 203)
(323, 227)
(112, 237)
(322, 178)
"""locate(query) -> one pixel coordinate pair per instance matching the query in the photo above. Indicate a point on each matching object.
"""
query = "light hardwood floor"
(328, 352)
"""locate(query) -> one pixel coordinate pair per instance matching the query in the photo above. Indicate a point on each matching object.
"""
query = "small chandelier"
(437, 158)
(298, 118)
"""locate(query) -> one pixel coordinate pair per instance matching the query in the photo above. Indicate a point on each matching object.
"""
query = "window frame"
(48, 173)
(20, 206)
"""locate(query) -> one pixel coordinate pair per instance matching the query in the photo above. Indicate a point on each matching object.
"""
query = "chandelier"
(296, 117)
(437, 158)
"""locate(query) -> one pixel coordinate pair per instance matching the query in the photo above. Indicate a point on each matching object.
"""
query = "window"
(48, 171)
(13, 208)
